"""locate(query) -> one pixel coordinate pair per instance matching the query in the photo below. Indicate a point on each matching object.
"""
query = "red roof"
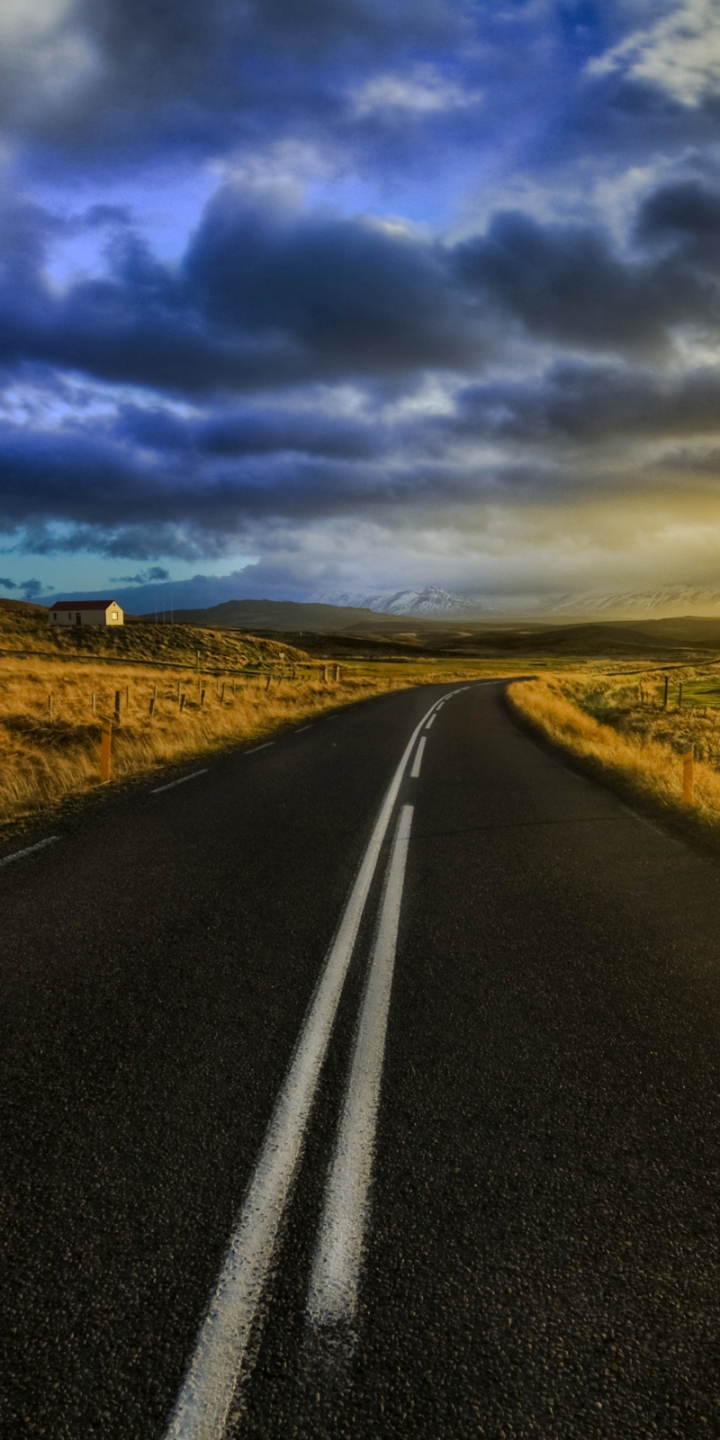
(83, 604)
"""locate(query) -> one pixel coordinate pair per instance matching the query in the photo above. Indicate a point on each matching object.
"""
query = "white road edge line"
(417, 762)
(255, 748)
(332, 1297)
(181, 781)
(203, 1404)
(18, 854)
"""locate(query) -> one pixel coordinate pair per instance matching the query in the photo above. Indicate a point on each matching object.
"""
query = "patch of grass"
(619, 729)
(56, 689)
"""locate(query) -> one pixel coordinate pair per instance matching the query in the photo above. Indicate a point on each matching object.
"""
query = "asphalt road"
(474, 1194)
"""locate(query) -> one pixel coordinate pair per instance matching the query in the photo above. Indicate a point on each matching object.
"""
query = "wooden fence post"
(688, 776)
(117, 707)
(105, 749)
(680, 695)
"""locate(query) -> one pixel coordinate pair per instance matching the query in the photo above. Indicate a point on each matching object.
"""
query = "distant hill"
(274, 615)
(432, 603)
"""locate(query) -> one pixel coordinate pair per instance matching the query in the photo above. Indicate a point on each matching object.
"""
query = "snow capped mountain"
(431, 603)
(667, 600)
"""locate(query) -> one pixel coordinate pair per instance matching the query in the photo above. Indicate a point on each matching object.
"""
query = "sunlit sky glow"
(327, 296)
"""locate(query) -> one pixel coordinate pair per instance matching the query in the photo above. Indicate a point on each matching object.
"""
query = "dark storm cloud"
(125, 504)
(360, 296)
(258, 301)
(567, 284)
(584, 404)
(114, 77)
(28, 588)
(267, 299)
(237, 433)
(155, 573)
(683, 220)
(189, 502)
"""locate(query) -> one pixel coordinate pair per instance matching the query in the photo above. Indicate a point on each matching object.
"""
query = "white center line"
(203, 1404)
(431, 721)
(303, 727)
(18, 854)
(332, 1298)
(417, 762)
(255, 748)
(182, 781)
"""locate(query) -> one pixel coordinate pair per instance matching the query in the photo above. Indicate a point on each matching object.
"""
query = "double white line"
(203, 1404)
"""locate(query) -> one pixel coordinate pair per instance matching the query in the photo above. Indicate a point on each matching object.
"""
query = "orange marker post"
(688, 776)
(105, 748)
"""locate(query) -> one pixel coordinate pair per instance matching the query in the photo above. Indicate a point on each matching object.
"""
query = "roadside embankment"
(51, 720)
(172, 694)
(622, 731)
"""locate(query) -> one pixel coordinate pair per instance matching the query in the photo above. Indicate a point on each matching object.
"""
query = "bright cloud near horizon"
(346, 296)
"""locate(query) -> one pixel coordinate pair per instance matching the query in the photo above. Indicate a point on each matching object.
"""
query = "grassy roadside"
(620, 731)
(183, 693)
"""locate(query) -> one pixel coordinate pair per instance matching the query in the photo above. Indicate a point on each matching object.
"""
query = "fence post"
(666, 691)
(182, 703)
(152, 705)
(50, 707)
(680, 695)
(688, 775)
(202, 699)
(105, 748)
(117, 707)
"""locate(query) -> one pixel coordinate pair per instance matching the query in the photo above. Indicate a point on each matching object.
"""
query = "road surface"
(362, 1085)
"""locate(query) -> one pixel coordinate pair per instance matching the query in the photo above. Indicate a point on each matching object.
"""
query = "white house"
(86, 612)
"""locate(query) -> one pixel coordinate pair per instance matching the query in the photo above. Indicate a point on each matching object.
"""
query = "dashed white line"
(417, 762)
(332, 1298)
(255, 748)
(182, 781)
(431, 721)
(18, 854)
(203, 1404)
(303, 727)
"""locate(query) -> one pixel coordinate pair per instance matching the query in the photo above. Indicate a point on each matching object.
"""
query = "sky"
(320, 297)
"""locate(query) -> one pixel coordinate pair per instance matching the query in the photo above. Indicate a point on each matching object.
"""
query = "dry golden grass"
(56, 689)
(634, 744)
(50, 733)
